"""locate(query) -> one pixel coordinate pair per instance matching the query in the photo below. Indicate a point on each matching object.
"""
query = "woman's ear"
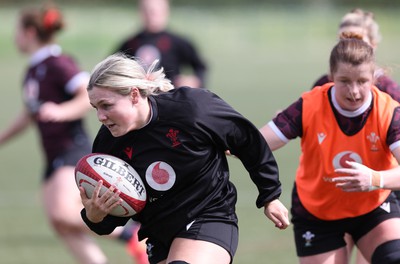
(330, 77)
(135, 94)
(31, 32)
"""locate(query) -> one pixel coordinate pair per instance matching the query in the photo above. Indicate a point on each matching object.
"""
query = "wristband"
(376, 180)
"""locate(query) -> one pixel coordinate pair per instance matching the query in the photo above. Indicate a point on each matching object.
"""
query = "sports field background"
(260, 59)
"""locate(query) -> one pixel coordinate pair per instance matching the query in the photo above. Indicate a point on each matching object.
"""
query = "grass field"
(260, 58)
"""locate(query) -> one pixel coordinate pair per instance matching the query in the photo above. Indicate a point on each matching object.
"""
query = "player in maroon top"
(352, 104)
(363, 23)
(176, 54)
(55, 99)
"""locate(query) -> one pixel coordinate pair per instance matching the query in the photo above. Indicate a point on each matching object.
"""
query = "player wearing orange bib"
(326, 143)
(350, 144)
(363, 22)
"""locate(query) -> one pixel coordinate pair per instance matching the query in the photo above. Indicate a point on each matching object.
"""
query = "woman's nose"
(101, 116)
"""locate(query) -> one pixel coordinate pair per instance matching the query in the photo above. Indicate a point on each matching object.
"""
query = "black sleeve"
(106, 226)
(190, 56)
(246, 142)
(234, 132)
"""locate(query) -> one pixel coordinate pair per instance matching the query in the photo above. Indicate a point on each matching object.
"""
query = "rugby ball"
(113, 171)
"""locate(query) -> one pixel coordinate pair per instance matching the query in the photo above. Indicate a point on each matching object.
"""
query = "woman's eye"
(105, 106)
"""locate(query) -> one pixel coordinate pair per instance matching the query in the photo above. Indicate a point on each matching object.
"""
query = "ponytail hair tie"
(50, 17)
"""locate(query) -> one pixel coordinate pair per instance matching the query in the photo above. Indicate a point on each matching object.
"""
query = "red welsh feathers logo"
(173, 136)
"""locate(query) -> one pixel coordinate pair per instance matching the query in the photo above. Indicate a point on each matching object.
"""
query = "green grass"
(260, 58)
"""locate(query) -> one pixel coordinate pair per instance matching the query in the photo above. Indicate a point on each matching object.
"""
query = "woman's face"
(154, 14)
(352, 84)
(119, 113)
(22, 38)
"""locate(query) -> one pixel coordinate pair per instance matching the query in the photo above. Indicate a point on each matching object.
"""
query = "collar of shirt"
(44, 53)
(346, 113)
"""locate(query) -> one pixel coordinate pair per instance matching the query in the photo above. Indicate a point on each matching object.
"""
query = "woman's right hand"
(99, 206)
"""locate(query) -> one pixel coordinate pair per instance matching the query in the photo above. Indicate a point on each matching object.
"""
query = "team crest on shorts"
(308, 236)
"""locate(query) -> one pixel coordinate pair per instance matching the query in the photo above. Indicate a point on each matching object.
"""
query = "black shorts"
(68, 158)
(314, 236)
(220, 233)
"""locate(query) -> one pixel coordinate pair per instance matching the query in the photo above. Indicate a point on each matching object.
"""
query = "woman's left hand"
(357, 178)
(277, 213)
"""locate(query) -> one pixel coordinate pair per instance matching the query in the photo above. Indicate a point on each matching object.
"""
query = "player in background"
(177, 146)
(363, 23)
(347, 123)
(178, 56)
(55, 101)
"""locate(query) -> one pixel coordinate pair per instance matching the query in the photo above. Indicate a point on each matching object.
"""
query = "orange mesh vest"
(325, 147)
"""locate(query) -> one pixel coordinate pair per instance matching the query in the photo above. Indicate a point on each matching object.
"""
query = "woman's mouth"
(109, 126)
(353, 100)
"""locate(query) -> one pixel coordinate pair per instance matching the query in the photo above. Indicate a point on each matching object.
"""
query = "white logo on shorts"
(189, 225)
(386, 207)
(308, 236)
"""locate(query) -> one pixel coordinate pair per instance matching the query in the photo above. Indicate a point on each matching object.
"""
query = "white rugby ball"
(113, 171)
